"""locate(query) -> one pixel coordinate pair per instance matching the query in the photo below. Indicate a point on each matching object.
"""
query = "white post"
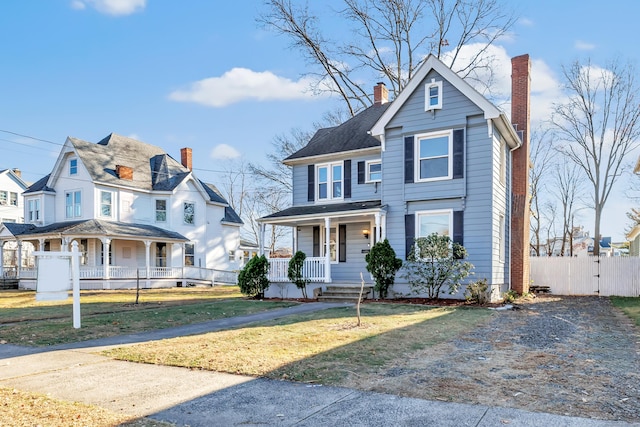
(295, 239)
(75, 277)
(383, 223)
(19, 260)
(2, 259)
(105, 262)
(147, 246)
(327, 250)
(378, 231)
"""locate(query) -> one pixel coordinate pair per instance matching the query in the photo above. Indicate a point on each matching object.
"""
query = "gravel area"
(575, 356)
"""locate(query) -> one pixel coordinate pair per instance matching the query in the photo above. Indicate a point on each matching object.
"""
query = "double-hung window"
(374, 171)
(330, 178)
(34, 210)
(429, 222)
(333, 244)
(433, 95)
(13, 199)
(73, 166)
(189, 210)
(3, 197)
(189, 254)
(73, 204)
(161, 210)
(106, 204)
(433, 152)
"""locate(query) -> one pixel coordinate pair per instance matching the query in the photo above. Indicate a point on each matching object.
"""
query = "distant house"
(133, 210)
(439, 158)
(11, 211)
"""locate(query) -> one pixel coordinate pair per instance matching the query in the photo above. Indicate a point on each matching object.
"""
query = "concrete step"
(346, 293)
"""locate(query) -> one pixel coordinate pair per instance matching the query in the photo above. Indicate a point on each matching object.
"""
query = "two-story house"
(436, 159)
(11, 211)
(134, 212)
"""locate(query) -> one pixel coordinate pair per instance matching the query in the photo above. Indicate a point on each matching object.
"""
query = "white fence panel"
(604, 276)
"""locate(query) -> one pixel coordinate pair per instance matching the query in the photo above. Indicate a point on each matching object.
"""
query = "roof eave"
(321, 157)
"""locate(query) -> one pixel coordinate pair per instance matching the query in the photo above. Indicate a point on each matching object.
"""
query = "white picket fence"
(604, 276)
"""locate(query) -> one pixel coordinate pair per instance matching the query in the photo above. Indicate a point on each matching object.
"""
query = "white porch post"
(106, 242)
(41, 244)
(19, 260)
(261, 239)
(383, 228)
(147, 256)
(295, 239)
(184, 254)
(65, 244)
(378, 231)
(327, 251)
(2, 258)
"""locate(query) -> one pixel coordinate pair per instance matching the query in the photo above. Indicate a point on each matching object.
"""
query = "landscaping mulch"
(576, 356)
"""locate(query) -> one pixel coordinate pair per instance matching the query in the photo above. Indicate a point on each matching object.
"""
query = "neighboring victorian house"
(134, 211)
(439, 158)
(11, 211)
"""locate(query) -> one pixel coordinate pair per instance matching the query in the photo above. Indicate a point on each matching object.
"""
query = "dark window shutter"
(458, 227)
(408, 160)
(361, 173)
(458, 153)
(347, 179)
(409, 233)
(311, 183)
(316, 241)
(342, 240)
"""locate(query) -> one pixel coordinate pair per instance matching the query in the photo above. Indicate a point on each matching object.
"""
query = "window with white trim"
(161, 254)
(329, 177)
(374, 171)
(161, 210)
(439, 222)
(433, 154)
(189, 254)
(433, 95)
(232, 255)
(34, 210)
(106, 204)
(189, 210)
(73, 204)
(13, 199)
(73, 166)
(3, 198)
(333, 243)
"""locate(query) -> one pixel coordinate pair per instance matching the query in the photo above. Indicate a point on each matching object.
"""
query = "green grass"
(629, 305)
(322, 347)
(108, 313)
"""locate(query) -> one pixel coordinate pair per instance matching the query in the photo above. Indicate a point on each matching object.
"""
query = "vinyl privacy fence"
(604, 276)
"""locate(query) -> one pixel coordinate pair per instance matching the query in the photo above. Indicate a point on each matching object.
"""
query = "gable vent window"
(73, 167)
(433, 96)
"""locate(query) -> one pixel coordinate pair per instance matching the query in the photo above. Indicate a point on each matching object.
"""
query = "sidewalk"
(202, 398)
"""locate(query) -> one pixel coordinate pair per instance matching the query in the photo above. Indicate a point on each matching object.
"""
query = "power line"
(31, 137)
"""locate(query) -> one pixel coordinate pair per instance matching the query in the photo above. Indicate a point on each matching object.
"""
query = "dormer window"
(73, 166)
(433, 95)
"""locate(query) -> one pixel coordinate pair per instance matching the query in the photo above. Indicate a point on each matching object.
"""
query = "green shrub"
(509, 296)
(435, 262)
(295, 274)
(253, 279)
(476, 292)
(383, 266)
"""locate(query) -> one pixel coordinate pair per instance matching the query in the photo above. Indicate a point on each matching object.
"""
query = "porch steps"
(8, 284)
(345, 293)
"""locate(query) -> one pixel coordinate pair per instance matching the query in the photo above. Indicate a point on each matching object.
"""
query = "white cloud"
(111, 7)
(526, 22)
(239, 84)
(224, 152)
(582, 45)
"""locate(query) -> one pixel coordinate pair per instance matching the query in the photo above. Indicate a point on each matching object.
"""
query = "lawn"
(321, 347)
(24, 321)
(629, 305)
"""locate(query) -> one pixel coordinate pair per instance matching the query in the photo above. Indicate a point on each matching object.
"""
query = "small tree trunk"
(137, 285)
(360, 297)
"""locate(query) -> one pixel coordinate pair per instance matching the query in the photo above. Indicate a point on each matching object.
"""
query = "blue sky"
(204, 74)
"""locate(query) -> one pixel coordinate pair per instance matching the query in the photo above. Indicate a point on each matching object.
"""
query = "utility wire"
(31, 137)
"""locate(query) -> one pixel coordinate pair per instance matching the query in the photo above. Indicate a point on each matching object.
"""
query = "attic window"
(73, 167)
(433, 95)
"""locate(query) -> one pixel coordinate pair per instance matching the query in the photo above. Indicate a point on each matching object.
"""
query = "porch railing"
(313, 269)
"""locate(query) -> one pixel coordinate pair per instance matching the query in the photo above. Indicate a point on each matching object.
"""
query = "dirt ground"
(575, 356)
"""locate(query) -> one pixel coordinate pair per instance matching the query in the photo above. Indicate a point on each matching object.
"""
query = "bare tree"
(568, 186)
(539, 173)
(390, 40)
(599, 126)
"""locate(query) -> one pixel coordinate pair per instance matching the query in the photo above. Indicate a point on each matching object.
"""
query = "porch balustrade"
(313, 269)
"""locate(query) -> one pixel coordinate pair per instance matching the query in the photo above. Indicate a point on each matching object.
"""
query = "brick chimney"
(380, 94)
(124, 172)
(520, 118)
(185, 158)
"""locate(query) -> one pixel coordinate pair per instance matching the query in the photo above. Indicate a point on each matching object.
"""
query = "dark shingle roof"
(231, 216)
(351, 135)
(39, 185)
(325, 209)
(94, 227)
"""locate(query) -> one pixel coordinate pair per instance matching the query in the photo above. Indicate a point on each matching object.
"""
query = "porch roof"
(93, 228)
(310, 212)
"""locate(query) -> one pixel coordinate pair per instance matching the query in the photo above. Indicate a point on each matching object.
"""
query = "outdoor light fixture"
(365, 233)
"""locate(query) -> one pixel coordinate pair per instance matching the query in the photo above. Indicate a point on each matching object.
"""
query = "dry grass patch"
(629, 306)
(317, 347)
(19, 408)
(109, 313)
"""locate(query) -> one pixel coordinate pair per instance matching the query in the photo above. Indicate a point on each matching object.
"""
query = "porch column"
(19, 260)
(261, 239)
(147, 255)
(2, 259)
(106, 242)
(327, 250)
(41, 244)
(65, 244)
(383, 228)
(378, 231)
(295, 239)
(183, 268)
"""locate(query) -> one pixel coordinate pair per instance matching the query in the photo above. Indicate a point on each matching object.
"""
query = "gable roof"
(40, 185)
(491, 112)
(15, 177)
(349, 136)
